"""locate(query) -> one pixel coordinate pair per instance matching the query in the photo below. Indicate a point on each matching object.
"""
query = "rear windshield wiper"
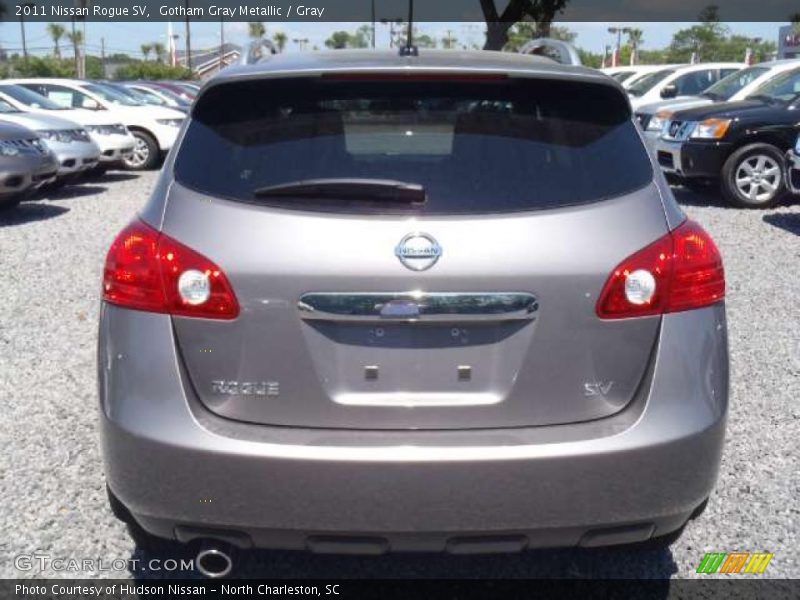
(347, 189)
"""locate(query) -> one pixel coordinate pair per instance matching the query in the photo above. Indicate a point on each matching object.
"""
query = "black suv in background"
(741, 145)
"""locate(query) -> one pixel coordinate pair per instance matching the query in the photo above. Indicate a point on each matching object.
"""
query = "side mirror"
(669, 91)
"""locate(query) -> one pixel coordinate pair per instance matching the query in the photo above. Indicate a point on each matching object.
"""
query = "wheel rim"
(758, 178)
(140, 154)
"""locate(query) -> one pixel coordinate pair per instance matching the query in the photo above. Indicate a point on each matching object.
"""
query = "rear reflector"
(680, 271)
(147, 270)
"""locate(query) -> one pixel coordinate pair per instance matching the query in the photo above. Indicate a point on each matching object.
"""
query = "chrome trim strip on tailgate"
(418, 306)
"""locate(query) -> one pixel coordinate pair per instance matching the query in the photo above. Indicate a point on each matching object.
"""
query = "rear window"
(484, 145)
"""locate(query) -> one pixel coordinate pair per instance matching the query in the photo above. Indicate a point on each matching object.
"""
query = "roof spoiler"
(257, 51)
(557, 50)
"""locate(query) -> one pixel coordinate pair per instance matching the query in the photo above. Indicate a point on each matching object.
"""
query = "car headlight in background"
(55, 135)
(7, 149)
(711, 129)
(658, 120)
(170, 122)
(113, 129)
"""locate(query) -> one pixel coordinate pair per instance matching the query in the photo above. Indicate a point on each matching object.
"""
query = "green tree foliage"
(56, 33)
(146, 50)
(280, 39)
(344, 39)
(522, 33)
(150, 70)
(159, 51)
(498, 24)
(42, 66)
(256, 30)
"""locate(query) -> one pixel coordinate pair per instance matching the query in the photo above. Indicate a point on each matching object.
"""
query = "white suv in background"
(155, 128)
(113, 138)
(675, 82)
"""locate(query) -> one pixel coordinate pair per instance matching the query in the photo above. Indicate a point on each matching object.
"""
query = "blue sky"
(127, 37)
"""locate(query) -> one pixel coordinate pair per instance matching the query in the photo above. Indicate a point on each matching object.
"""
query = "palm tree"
(56, 32)
(635, 39)
(76, 39)
(146, 49)
(256, 30)
(280, 40)
(159, 51)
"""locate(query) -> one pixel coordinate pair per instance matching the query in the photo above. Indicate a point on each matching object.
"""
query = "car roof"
(54, 80)
(312, 63)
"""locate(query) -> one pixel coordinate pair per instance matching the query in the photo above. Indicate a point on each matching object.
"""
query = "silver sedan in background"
(25, 164)
(74, 149)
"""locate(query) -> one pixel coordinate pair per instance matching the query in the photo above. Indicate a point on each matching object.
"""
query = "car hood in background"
(673, 105)
(10, 131)
(38, 121)
(750, 109)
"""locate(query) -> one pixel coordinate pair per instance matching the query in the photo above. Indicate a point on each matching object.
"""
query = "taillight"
(147, 270)
(680, 271)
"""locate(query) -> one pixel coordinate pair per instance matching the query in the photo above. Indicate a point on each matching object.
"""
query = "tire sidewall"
(152, 146)
(732, 165)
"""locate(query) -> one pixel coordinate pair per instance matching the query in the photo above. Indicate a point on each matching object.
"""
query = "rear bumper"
(691, 159)
(113, 148)
(183, 472)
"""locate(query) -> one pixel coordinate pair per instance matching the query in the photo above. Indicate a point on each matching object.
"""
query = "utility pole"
(188, 38)
(449, 39)
(221, 43)
(301, 42)
(103, 56)
(23, 7)
(373, 24)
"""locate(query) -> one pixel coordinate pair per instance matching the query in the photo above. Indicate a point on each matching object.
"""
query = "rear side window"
(479, 145)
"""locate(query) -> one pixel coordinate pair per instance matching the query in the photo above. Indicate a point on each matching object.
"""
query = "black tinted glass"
(484, 145)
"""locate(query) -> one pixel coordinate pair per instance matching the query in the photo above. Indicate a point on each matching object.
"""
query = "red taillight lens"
(143, 269)
(685, 267)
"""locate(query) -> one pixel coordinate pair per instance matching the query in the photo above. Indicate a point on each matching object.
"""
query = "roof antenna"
(410, 49)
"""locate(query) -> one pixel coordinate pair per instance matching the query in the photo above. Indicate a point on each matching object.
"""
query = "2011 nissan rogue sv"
(441, 302)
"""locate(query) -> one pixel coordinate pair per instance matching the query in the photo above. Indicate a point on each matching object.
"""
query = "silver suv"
(432, 303)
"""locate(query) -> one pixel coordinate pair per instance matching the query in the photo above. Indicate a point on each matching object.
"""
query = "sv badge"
(597, 388)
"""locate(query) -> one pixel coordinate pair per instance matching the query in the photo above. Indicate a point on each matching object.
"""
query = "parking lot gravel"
(52, 497)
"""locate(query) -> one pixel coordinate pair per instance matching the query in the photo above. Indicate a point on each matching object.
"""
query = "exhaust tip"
(214, 562)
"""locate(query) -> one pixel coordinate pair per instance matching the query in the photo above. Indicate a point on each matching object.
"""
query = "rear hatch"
(415, 251)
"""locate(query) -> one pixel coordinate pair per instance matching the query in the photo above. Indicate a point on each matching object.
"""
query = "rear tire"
(752, 177)
(145, 153)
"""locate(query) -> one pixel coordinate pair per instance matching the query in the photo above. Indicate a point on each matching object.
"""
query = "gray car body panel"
(277, 487)
(544, 462)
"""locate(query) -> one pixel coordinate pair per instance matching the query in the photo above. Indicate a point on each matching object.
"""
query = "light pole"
(391, 23)
(301, 42)
(619, 31)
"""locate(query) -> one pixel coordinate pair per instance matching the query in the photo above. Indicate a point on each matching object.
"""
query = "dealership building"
(789, 42)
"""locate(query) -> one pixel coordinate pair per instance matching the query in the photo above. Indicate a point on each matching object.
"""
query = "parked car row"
(733, 134)
(83, 128)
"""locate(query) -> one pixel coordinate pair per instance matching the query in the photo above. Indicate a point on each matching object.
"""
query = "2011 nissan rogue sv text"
(436, 303)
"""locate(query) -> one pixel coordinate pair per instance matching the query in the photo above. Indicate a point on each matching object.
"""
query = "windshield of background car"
(476, 144)
(784, 87)
(622, 76)
(110, 95)
(726, 87)
(648, 82)
(5, 107)
(29, 98)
